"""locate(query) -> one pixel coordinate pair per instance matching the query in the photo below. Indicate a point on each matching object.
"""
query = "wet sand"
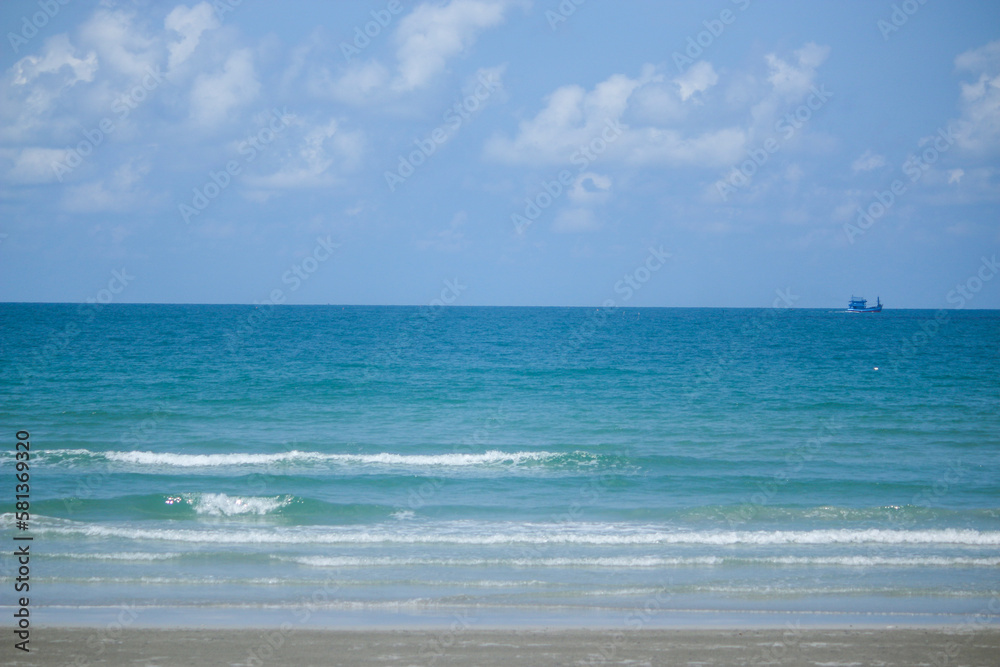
(508, 647)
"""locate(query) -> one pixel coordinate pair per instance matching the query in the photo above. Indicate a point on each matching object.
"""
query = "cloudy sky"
(501, 152)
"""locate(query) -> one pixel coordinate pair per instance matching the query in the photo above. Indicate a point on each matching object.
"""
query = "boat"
(860, 305)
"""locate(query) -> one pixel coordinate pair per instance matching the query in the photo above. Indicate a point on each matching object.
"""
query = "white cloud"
(31, 89)
(118, 192)
(322, 153)
(795, 80)
(590, 188)
(571, 118)
(978, 130)
(699, 77)
(713, 148)
(955, 176)
(451, 239)
(572, 220)
(215, 96)
(431, 34)
(58, 54)
(189, 24)
(789, 82)
(425, 39)
(120, 44)
(357, 84)
(32, 165)
(868, 161)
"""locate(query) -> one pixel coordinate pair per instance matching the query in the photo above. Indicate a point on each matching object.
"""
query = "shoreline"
(316, 616)
(507, 646)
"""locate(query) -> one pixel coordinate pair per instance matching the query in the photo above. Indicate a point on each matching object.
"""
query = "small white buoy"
(876, 368)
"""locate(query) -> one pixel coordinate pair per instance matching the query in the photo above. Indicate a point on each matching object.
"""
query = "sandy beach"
(509, 647)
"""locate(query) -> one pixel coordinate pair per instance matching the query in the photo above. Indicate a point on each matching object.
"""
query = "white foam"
(491, 457)
(221, 504)
(628, 562)
(119, 555)
(474, 533)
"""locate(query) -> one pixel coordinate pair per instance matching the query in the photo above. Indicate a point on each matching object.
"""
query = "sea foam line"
(627, 562)
(474, 534)
(221, 504)
(169, 459)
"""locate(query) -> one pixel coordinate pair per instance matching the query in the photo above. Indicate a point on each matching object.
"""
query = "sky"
(733, 153)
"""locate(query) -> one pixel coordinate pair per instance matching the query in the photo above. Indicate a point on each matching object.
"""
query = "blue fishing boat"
(858, 305)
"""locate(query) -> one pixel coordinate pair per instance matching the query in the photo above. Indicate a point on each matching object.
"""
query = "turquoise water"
(509, 463)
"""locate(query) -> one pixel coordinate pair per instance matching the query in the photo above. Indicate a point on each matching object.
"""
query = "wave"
(628, 562)
(117, 555)
(472, 533)
(168, 459)
(221, 504)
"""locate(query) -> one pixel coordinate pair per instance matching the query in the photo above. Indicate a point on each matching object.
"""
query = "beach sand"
(509, 647)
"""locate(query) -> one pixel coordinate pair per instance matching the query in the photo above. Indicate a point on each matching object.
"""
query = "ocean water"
(396, 464)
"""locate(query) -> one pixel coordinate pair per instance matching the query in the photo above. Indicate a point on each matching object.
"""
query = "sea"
(617, 467)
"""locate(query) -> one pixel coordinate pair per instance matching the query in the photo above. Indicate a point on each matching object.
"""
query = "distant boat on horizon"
(860, 305)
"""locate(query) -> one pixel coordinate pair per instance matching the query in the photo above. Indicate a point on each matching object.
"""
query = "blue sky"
(501, 152)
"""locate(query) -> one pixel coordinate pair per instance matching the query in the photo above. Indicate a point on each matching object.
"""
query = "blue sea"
(328, 465)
